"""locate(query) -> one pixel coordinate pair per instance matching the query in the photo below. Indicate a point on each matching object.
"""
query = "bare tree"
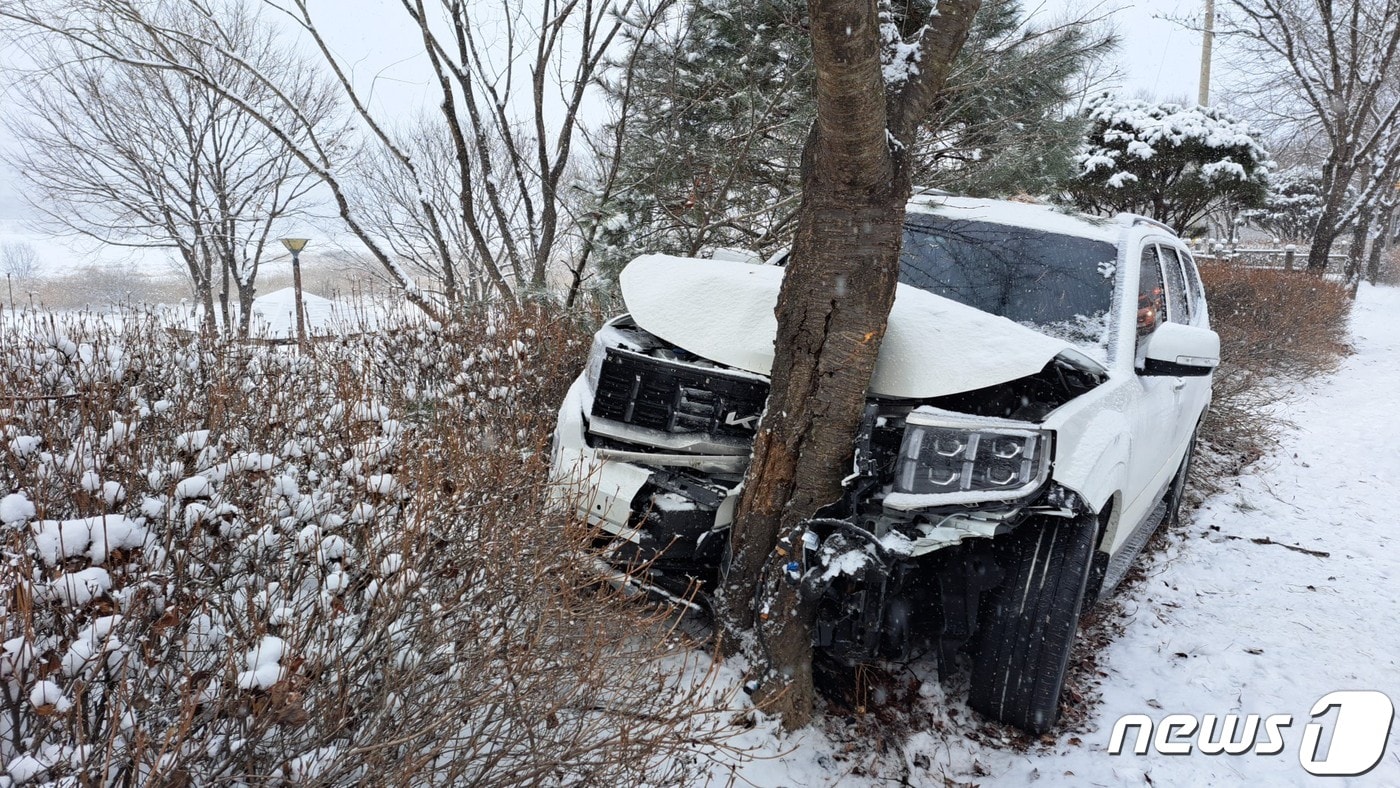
(594, 172)
(511, 137)
(878, 75)
(1339, 60)
(18, 260)
(142, 157)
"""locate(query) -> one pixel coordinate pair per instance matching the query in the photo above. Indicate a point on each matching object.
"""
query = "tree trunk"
(206, 296)
(227, 328)
(1380, 245)
(831, 311)
(246, 294)
(1357, 252)
(1321, 250)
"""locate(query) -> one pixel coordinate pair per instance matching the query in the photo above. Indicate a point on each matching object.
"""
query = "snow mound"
(94, 537)
(15, 508)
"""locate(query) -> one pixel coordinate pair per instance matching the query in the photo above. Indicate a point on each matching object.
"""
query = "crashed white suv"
(1029, 424)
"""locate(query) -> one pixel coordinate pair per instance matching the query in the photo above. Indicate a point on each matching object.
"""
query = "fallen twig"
(1294, 547)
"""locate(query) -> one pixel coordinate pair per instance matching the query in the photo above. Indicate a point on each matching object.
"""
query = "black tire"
(1177, 491)
(1024, 642)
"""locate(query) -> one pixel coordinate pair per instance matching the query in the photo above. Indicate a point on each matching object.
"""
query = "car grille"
(676, 398)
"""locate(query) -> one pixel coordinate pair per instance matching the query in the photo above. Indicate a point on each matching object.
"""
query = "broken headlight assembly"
(947, 459)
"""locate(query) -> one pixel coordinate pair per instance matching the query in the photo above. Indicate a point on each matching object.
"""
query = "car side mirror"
(1179, 350)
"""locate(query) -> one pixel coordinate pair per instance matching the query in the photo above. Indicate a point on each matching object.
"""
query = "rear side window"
(1193, 283)
(1178, 310)
(1152, 307)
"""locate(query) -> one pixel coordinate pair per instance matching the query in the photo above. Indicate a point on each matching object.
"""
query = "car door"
(1195, 393)
(1187, 391)
(1154, 417)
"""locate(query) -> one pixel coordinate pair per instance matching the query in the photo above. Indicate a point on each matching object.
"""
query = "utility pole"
(1207, 42)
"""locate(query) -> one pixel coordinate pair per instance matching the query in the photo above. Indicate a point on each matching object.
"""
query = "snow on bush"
(1166, 161)
(247, 564)
(1293, 205)
(15, 508)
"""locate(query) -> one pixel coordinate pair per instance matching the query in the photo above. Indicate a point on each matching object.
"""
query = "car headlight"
(594, 367)
(946, 458)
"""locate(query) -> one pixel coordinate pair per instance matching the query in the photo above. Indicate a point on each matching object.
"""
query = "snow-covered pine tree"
(1005, 124)
(1172, 163)
(719, 113)
(1292, 206)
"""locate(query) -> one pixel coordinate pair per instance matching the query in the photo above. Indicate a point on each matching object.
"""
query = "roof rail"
(1133, 219)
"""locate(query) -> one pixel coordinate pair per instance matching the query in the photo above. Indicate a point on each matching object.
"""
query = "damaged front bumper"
(662, 503)
(652, 445)
(678, 502)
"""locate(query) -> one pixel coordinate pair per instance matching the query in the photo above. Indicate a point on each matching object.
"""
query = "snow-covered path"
(1231, 619)
(1227, 625)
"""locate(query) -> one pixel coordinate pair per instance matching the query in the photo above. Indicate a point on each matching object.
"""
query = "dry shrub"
(1276, 328)
(329, 567)
(95, 286)
(1390, 266)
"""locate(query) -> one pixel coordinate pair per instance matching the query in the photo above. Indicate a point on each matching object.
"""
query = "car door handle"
(1179, 384)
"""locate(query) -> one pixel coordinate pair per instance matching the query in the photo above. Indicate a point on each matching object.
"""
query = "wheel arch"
(1108, 517)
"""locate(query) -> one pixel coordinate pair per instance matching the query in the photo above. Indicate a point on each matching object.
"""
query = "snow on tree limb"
(1169, 162)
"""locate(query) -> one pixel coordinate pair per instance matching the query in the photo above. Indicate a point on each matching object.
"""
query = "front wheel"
(1023, 648)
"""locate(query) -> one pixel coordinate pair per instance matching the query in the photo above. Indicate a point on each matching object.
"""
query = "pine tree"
(720, 112)
(1001, 127)
(1172, 163)
(715, 130)
(1292, 207)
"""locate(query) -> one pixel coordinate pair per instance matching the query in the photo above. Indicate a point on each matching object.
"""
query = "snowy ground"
(1232, 619)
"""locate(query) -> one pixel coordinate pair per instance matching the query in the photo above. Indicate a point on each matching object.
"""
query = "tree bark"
(1380, 245)
(246, 294)
(1321, 250)
(1357, 252)
(1327, 230)
(831, 312)
(227, 328)
(206, 297)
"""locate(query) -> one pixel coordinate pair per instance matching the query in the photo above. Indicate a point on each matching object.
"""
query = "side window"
(1193, 283)
(1151, 298)
(1178, 310)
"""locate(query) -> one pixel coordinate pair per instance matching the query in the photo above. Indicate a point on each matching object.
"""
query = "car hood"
(933, 346)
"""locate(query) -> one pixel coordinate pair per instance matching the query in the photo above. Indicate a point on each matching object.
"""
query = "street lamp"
(295, 245)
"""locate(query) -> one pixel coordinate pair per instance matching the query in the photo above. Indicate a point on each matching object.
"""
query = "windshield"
(1061, 285)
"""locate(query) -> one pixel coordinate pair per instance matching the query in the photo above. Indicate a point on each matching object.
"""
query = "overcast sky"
(1160, 52)
(1158, 56)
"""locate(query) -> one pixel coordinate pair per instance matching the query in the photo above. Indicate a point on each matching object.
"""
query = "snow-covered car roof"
(1018, 214)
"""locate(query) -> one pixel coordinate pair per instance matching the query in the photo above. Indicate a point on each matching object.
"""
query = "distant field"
(74, 273)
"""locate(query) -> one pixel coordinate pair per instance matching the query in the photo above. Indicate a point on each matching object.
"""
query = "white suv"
(1029, 424)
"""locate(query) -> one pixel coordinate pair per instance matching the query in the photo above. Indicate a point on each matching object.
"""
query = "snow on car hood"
(933, 346)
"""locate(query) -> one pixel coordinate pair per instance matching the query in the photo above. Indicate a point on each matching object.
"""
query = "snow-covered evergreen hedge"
(1166, 161)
